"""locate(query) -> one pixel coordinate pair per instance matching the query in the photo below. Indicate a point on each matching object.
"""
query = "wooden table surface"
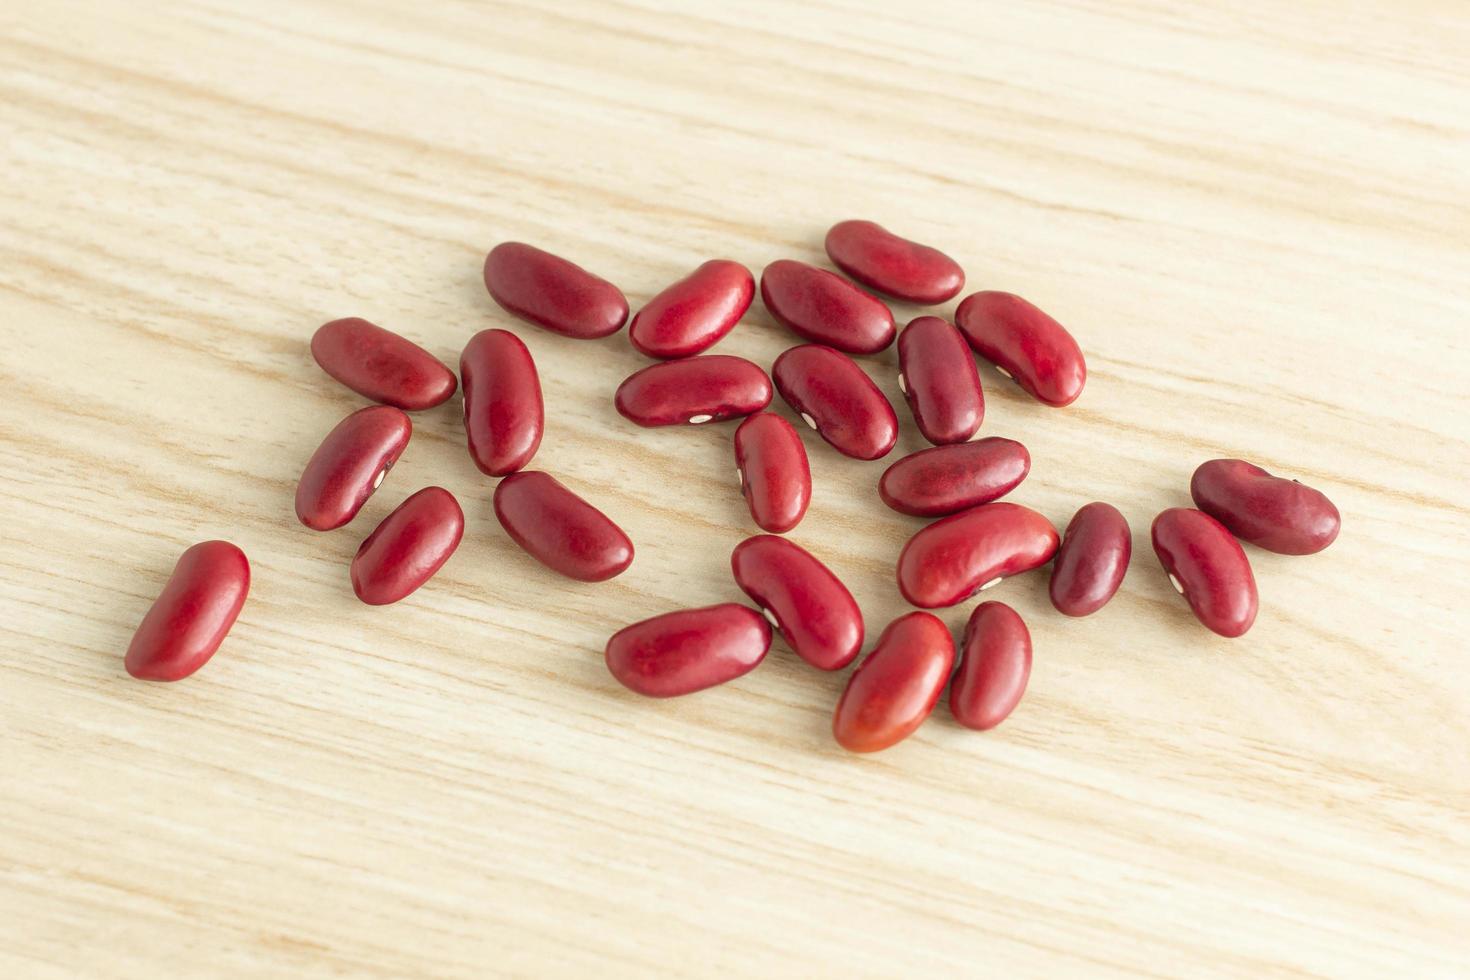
(1253, 216)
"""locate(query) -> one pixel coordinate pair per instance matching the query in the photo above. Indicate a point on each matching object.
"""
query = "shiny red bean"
(687, 651)
(694, 390)
(880, 260)
(1092, 560)
(834, 396)
(409, 546)
(809, 605)
(192, 615)
(1270, 512)
(1206, 564)
(551, 292)
(1026, 344)
(949, 479)
(954, 558)
(381, 365)
(503, 413)
(995, 664)
(823, 307)
(938, 377)
(560, 529)
(774, 475)
(694, 313)
(896, 686)
(349, 465)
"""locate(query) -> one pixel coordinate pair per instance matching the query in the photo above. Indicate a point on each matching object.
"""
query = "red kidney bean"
(803, 599)
(949, 479)
(694, 313)
(954, 558)
(349, 465)
(687, 651)
(774, 475)
(1092, 560)
(880, 260)
(560, 529)
(192, 615)
(939, 380)
(833, 395)
(1270, 512)
(503, 413)
(409, 546)
(1028, 346)
(1206, 564)
(896, 686)
(381, 365)
(994, 667)
(692, 391)
(551, 292)
(823, 307)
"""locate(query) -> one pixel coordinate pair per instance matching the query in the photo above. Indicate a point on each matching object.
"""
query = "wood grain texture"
(1252, 214)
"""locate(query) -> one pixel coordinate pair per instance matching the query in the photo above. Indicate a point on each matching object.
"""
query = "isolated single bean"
(1026, 344)
(693, 390)
(775, 478)
(694, 313)
(949, 479)
(834, 396)
(689, 650)
(1207, 565)
(560, 529)
(995, 664)
(381, 365)
(551, 292)
(823, 307)
(1270, 512)
(896, 686)
(811, 607)
(349, 465)
(503, 412)
(408, 547)
(881, 260)
(1092, 560)
(939, 380)
(192, 615)
(954, 558)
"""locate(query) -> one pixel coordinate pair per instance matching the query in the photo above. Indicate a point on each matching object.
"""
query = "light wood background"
(1254, 217)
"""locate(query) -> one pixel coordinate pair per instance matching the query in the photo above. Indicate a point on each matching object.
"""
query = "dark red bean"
(949, 479)
(823, 307)
(1270, 512)
(409, 546)
(503, 413)
(551, 292)
(995, 664)
(834, 396)
(687, 651)
(349, 465)
(692, 391)
(880, 260)
(560, 529)
(938, 378)
(954, 558)
(1206, 564)
(381, 365)
(1028, 346)
(815, 613)
(1092, 560)
(192, 615)
(694, 313)
(774, 475)
(896, 686)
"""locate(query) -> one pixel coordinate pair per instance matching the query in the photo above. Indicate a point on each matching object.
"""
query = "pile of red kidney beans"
(976, 542)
